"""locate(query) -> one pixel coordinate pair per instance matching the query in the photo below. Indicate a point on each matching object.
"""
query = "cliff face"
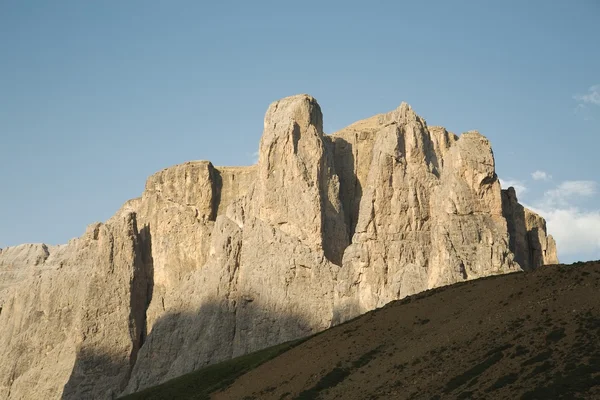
(528, 239)
(213, 262)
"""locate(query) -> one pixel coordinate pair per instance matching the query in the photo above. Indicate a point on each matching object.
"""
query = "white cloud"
(541, 176)
(568, 190)
(255, 157)
(576, 231)
(519, 186)
(591, 97)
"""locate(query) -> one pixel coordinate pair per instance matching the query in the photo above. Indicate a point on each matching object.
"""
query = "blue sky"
(97, 96)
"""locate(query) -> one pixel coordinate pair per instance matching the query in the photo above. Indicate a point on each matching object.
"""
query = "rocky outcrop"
(73, 328)
(529, 240)
(16, 262)
(430, 214)
(269, 277)
(214, 262)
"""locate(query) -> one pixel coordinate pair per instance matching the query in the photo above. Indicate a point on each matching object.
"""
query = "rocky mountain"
(214, 262)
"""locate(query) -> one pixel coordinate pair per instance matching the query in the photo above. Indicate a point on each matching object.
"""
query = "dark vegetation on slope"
(532, 335)
(199, 384)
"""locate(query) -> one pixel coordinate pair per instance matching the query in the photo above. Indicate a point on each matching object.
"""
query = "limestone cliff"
(213, 262)
(529, 242)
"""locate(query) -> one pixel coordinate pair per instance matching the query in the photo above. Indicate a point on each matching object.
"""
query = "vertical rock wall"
(213, 262)
(529, 240)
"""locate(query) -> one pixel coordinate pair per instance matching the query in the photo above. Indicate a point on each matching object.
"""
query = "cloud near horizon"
(576, 231)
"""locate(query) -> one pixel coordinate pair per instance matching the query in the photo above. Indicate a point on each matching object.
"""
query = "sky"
(97, 96)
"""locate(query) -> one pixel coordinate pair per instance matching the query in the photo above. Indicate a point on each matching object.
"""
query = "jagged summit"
(214, 262)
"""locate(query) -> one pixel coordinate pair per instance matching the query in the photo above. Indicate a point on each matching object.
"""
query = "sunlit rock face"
(214, 262)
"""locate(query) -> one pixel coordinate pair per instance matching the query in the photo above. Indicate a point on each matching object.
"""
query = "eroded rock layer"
(214, 262)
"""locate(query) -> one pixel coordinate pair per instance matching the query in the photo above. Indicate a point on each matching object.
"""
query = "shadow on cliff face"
(218, 189)
(525, 244)
(106, 375)
(92, 376)
(177, 344)
(350, 187)
(142, 288)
